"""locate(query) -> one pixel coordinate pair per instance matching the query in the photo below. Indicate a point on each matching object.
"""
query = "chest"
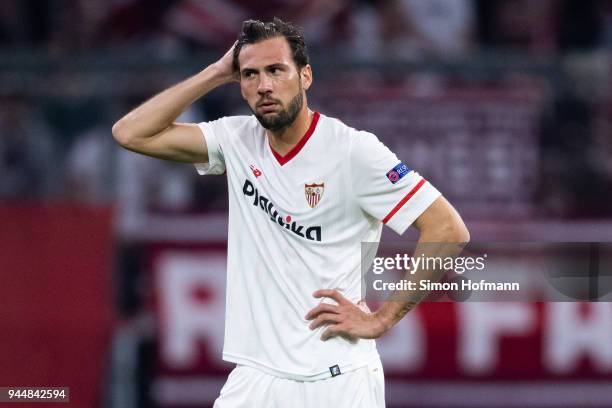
(308, 190)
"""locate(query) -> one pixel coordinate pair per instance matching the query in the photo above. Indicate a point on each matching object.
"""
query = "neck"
(284, 140)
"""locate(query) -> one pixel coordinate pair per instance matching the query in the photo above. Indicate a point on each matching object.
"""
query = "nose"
(265, 84)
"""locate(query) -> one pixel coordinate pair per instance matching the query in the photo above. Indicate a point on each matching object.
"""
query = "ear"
(306, 77)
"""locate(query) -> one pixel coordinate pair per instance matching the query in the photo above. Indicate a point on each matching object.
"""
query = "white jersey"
(296, 223)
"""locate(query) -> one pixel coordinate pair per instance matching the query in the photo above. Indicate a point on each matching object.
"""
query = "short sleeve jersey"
(296, 223)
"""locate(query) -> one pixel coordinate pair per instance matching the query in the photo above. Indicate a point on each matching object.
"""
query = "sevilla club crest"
(314, 193)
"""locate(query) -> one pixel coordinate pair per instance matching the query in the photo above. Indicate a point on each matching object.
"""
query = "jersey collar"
(282, 160)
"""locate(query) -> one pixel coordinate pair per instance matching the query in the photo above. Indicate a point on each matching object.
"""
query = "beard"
(285, 117)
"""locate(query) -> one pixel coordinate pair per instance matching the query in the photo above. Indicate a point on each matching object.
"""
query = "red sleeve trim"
(404, 201)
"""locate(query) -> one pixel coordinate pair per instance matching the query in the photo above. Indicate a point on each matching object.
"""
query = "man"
(305, 191)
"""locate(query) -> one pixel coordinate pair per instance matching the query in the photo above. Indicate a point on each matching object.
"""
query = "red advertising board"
(56, 309)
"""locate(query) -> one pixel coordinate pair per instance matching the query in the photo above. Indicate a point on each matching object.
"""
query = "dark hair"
(254, 31)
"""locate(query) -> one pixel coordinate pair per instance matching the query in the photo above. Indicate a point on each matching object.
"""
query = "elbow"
(121, 135)
(462, 234)
(455, 231)
(450, 230)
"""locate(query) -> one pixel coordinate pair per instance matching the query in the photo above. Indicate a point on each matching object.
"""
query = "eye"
(275, 70)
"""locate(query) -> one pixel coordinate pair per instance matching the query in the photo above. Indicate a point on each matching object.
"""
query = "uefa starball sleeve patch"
(395, 174)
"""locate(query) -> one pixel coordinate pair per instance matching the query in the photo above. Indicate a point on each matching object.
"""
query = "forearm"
(161, 111)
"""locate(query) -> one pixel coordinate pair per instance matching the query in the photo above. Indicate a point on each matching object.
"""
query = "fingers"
(230, 51)
(330, 332)
(333, 315)
(322, 308)
(333, 294)
(326, 318)
(336, 330)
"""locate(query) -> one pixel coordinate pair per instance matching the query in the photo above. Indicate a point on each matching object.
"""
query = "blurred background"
(112, 264)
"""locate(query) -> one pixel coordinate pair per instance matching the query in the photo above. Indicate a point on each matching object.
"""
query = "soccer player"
(304, 191)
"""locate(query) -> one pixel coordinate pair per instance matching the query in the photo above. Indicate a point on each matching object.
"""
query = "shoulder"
(229, 130)
(344, 134)
(231, 123)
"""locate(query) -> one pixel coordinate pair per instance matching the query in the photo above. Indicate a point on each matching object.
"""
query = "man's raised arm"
(150, 128)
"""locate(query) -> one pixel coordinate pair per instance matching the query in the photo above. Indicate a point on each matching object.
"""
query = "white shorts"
(248, 387)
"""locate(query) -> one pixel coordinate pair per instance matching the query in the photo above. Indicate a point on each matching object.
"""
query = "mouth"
(268, 106)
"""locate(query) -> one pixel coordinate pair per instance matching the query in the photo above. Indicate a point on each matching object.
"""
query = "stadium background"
(112, 265)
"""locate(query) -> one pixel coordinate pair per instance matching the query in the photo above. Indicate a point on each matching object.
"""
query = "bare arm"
(439, 225)
(442, 234)
(150, 128)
